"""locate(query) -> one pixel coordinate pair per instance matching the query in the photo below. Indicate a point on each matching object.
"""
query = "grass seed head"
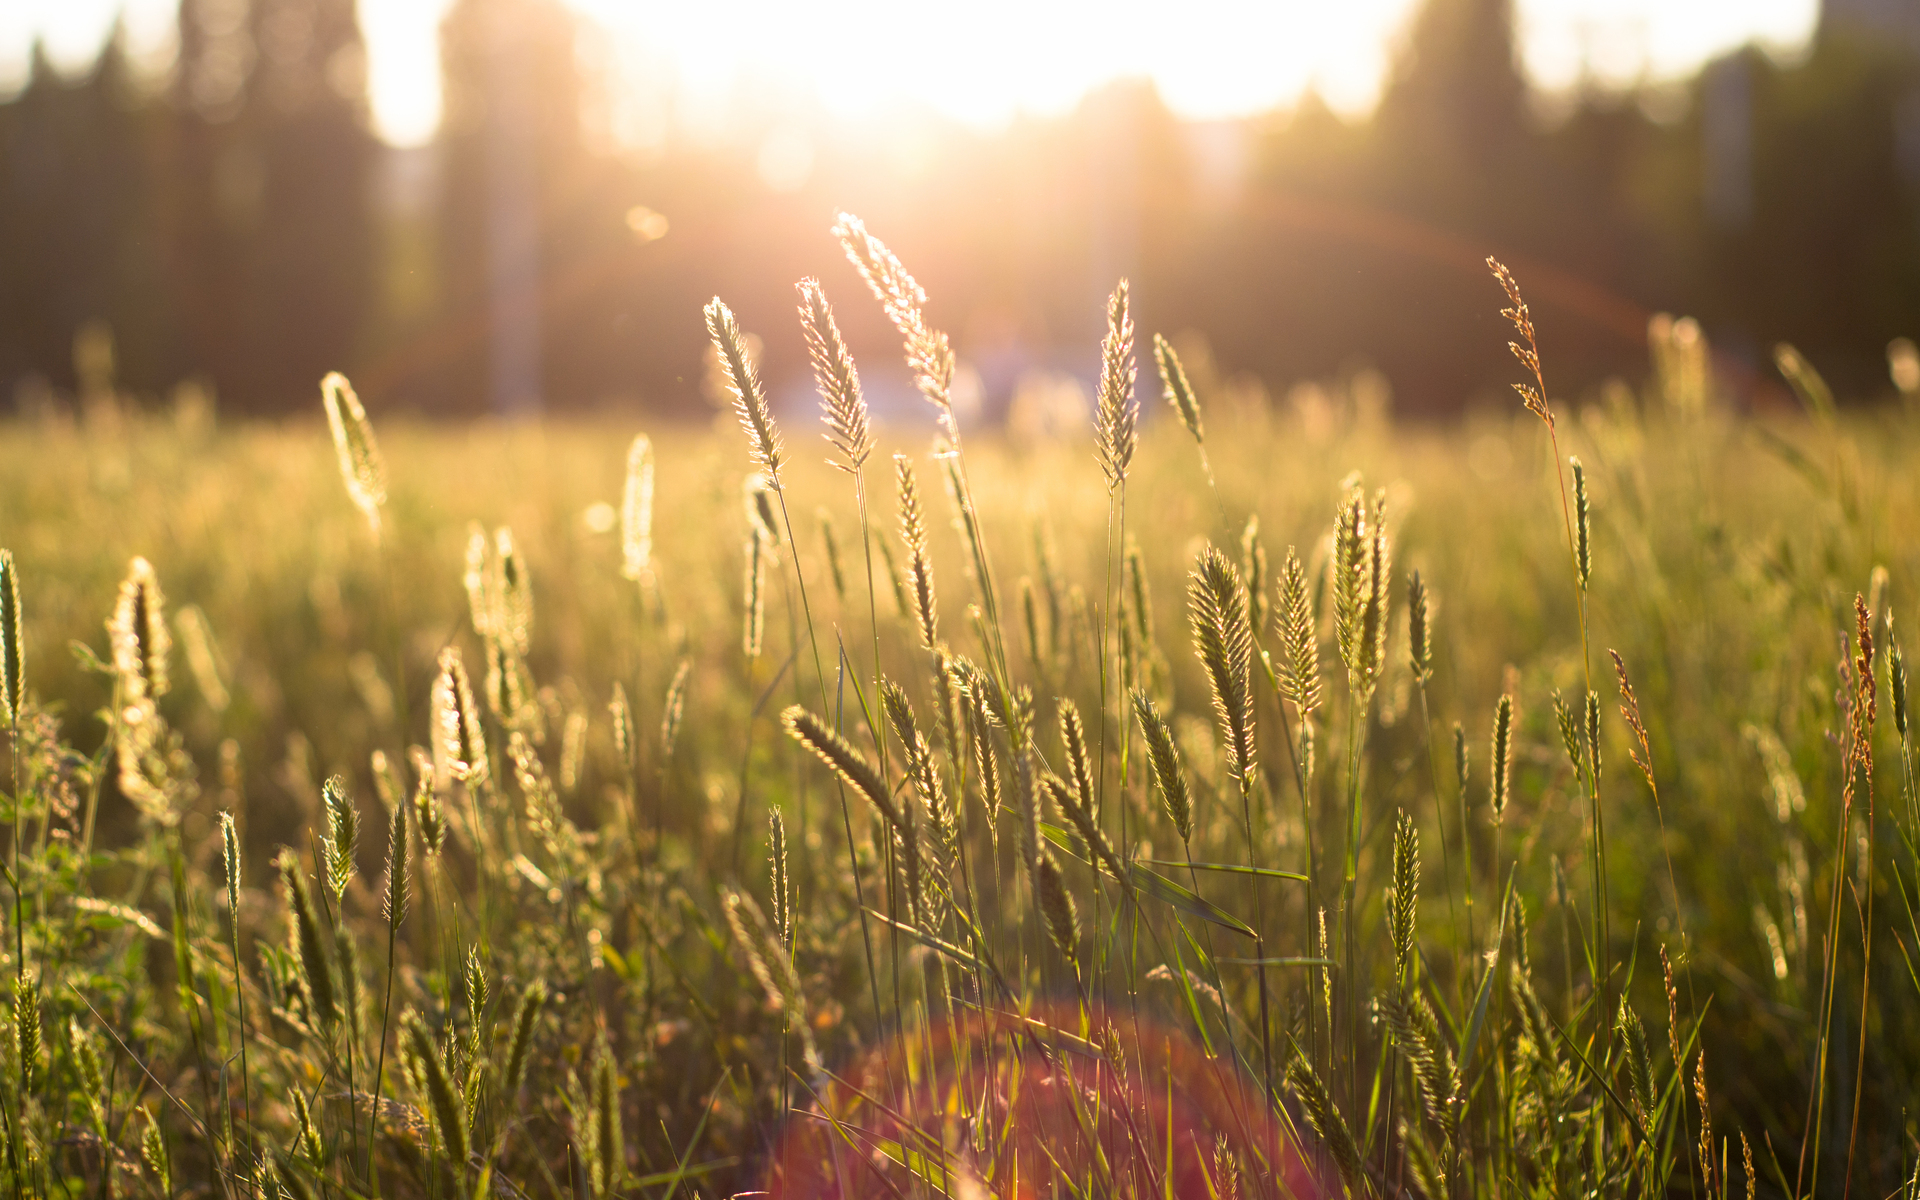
(342, 837)
(1326, 1120)
(1583, 525)
(913, 531)
(750, 398)
(394, 901)
(428, 815)
(609, 1154)
(520, 1049)
(843, 408)
(620, 713)
(13, 647)
(361, 466)
(1063, 921)
(1177, 391)
(1897, 684)
(449, 1115)
(230, 860)
(839, 754)
(1164, 757)
(138, 632)
(1533, 395)
(1300, 681)
(513, 593)
(674, 707)
(1223, 639)
(309, 950)
(1419, 630)
(459, 740)
(929, 355)
(1569, 726)
(636, 511)
(1116, 410)
(754, 592)
(1502, 760)
(1403, 896)
(1253, 564)
(777, 870)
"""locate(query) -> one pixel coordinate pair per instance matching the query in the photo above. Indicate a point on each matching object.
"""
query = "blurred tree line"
(238, 224)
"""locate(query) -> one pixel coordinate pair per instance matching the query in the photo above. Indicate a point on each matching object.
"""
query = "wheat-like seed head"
(13, 646)
(1116, 409)
(1050, 891)
(1253, 564)
(303, 935)
(513, 593)
(1352, 568)
(754, 591)
(1417, 1033)
(361, 466)
(1224, 641)
(913, 531)
(477, 988)
(394, 905)
(609, 1155)
(139, 635)
(842, 406)
(1326, 1120)
(1896, 682)
(479, 580)
(1569, 725)
(674, 706)
(1419, 630)
(203, 658)
(230, 859)
(1403, 896)
(1300, 681)
(1073, 735)
(986, 759)
(519, 1050)
(750, 398)
(636, 512)
(449, 1115)
(620, 714)
(770, 964)
(1583, 525)
(839, 754)
(459, 741)
(342, 837)
(1460, 771)
(1177, 391)
(1164, 756)
(26, 1029)
(153, 1151)
(929, 355)
(427, 814)
(1502, 757)
(777, 876)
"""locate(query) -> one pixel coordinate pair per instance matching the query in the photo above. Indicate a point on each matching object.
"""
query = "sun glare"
(984, 62)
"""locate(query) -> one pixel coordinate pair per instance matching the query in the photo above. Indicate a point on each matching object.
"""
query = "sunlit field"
(1246, 796)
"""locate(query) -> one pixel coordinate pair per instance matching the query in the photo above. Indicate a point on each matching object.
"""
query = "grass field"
(1493, 925)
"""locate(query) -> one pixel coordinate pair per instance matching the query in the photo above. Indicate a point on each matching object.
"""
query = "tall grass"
(1142, 910)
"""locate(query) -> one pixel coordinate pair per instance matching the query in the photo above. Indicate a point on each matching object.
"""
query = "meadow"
(1245, 796)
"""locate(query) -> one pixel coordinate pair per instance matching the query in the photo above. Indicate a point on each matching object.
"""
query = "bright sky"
(983, 61)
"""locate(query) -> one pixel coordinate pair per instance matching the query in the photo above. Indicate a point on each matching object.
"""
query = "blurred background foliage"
(236, 224)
